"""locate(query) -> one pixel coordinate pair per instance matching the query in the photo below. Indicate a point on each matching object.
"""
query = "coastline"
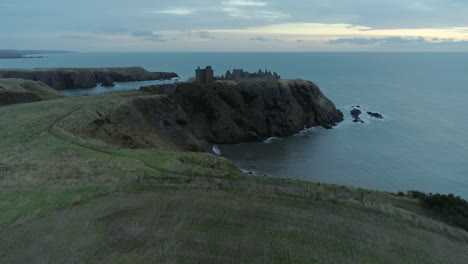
(88, 187)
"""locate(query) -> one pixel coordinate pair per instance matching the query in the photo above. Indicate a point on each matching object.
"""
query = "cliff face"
(228, 112)
(141, 122)
(196, 115)
(16, 91)
(70, 78)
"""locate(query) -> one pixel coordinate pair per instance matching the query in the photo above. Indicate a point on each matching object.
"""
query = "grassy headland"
(76, 197)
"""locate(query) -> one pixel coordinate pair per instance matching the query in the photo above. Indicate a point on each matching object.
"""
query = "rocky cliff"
(15, 91)
(196, 116)
(231, 112)
(70, 78)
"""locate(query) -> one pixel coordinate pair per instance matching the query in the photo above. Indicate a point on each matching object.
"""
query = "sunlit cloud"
(300, 29)
(340, 30)
(176, 11)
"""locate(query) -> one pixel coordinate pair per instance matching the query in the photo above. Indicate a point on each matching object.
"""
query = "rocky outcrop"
(375, 115)
(355, 113)
(230, 112)
(70, 78)
(16, 91)
(108, 83)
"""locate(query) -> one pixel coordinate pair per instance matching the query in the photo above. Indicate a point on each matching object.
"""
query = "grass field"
(70, 199)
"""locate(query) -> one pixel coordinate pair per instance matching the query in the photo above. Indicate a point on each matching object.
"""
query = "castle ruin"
(205, 76)
(240, 75)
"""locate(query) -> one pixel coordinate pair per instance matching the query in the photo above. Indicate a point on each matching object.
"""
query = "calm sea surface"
(422, 143)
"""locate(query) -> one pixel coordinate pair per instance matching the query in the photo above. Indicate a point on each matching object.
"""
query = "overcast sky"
(235, 25)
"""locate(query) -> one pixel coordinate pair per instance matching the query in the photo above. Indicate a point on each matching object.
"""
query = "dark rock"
(108, 83)
(376, 115)
(227, 113)
(355, 113)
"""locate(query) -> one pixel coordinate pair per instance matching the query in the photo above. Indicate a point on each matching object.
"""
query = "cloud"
(261, 39)
(156, 38)
(233, 22)
(77, 37)
(176, 11)
(400, 42)
(205, 35)
(251, 10)
(142, 33)
(380, 41)
(245, 3)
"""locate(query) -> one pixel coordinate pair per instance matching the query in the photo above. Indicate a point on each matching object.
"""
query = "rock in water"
(108, 82)
(376, 115)
(355, 113)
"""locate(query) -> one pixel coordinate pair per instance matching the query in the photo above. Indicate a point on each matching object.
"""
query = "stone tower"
(205, 76)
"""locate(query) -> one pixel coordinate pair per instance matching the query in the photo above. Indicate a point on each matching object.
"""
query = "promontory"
(71, 78)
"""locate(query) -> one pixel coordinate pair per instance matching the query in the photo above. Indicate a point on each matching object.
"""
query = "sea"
(420, 144)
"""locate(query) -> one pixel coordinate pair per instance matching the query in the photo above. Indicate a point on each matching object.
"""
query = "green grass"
(65, 198)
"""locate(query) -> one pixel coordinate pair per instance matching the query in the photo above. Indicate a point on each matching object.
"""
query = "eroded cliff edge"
(231, 112)
(196, 116)
(71, 78)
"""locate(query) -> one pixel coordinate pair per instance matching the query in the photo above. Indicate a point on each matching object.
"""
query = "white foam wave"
(269, 140)
(216, 150)
(248, 172)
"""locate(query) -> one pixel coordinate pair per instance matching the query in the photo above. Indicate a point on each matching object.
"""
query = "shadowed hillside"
(14, 91)
(70, 197)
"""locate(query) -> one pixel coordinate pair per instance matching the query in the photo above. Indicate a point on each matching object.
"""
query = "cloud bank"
(236, 25)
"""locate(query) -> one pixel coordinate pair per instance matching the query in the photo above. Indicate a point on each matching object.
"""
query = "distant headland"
(72, 78)
(25, 54)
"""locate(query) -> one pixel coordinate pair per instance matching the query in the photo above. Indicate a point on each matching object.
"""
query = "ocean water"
(422, 142)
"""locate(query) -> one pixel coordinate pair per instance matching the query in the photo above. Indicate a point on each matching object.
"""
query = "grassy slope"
(21, 85)
(64, 199)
